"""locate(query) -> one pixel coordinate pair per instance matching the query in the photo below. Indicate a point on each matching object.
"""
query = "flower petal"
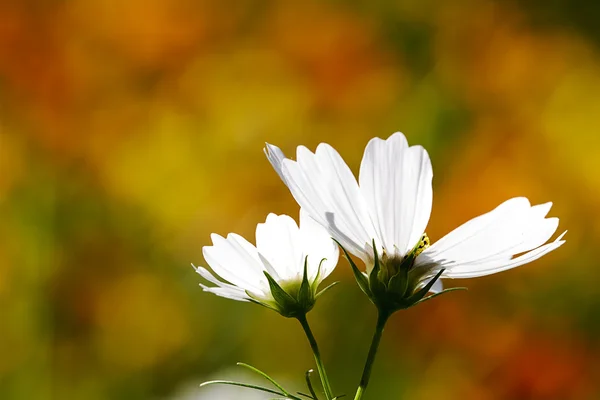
(275, 157)
(237, 261)
(319, 246)
(324, 186)
(278, 240)
(227, 293)
(223, 289)
(396, 180)
(203, 272)
(477, 270)
(487, 244)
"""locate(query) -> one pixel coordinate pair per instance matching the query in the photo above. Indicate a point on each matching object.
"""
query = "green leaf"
(308, 396)
(246, 385)
(309, 384)
(361, 279)
(264, 375)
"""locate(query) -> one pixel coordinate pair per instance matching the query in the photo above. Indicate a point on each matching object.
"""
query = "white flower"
(281, 272)
(390, 206)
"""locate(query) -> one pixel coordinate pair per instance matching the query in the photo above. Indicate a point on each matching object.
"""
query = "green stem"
(364, 380)
(317, 354)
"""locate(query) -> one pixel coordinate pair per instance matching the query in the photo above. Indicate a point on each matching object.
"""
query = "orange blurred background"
(131, 130)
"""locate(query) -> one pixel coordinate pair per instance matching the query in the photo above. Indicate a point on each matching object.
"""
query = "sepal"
(305, 293)
(422, 292)
(292, 299)
(423, 300)
(361, 278)
(394, 283)
(326, 289)
(377, 279)
(286, 305)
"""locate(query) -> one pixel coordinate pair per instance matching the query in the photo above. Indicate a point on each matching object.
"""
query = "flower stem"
(364, 380)
(317, 354)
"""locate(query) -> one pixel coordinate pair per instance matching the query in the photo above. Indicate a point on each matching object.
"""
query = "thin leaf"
(305, 395)
(246, 385)
(309, 384)
(264, 375)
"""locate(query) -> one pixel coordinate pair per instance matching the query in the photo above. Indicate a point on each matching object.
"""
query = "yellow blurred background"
(131, 130)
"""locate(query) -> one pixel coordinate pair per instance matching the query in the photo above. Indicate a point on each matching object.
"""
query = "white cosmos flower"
(272, 272)
(390, 206)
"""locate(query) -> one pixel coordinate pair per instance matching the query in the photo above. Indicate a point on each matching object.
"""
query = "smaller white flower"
(282, 272)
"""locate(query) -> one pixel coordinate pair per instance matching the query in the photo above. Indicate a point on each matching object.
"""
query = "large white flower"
(281, 272)
(389, 208)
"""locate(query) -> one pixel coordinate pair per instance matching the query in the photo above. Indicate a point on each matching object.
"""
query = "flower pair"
(381, 219)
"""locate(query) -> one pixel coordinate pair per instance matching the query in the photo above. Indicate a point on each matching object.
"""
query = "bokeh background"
(131, 130)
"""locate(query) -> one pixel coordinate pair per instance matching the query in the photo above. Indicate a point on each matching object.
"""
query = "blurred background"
(131, 130)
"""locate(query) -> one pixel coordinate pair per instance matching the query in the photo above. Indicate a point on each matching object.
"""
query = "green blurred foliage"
(131, 130)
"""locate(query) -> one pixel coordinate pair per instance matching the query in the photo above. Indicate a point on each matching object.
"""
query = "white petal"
(319, 247)
(203, 272)
(275, 157)
(482, 235)
(487, 244)
(476, 270)
(396, 180)
(227, 293)
(278, 240)
(324, 186)
(223, 289)
(236, 261)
